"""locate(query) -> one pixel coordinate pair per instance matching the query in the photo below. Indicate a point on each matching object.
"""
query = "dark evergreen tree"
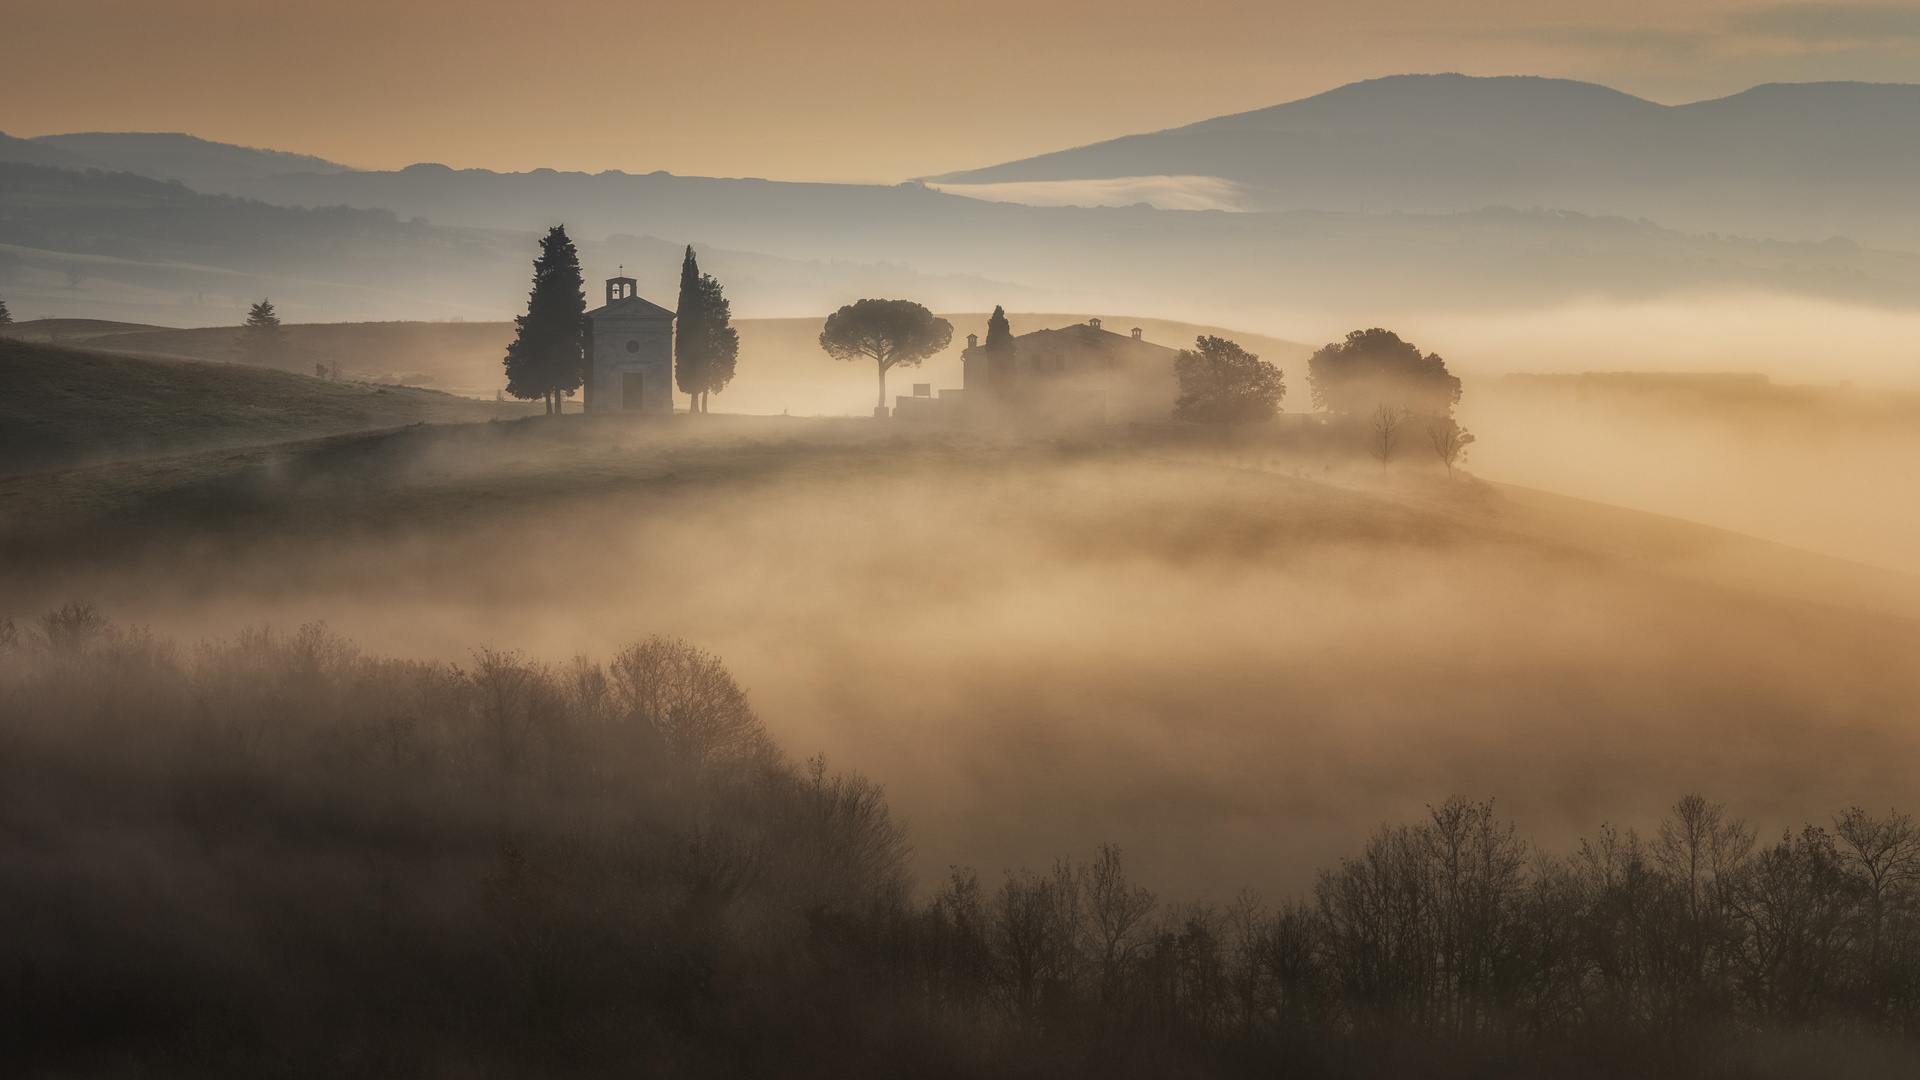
(1001, 368)
(261, 316)
(547, 359)
(721, 348)
(6, 317)
(690, 334)
(261, 335)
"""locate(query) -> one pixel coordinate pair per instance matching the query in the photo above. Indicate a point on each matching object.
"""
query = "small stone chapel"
(629, 353)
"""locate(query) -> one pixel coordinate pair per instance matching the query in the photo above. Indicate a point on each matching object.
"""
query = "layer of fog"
(1231, 673)
(1821, 468)
(1159, 192)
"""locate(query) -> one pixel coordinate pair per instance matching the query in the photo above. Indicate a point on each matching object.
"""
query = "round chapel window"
(633, 346)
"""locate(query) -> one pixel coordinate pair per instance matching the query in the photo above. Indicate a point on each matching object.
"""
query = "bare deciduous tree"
(1383, 444)
(1449, 441)
(1118, 909)
(691, 700)
(1699, 846)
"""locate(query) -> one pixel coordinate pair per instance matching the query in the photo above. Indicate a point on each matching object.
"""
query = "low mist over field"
(1230, 670)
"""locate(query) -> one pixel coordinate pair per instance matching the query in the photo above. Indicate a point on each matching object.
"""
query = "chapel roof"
(630, 307)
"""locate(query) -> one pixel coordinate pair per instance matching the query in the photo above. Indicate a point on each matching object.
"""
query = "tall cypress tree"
(1000, 355)
(722, 346)
(690, 334)
(6, 317)
(547, 359)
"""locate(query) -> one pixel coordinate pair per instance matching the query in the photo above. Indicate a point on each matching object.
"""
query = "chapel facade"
(629, 353)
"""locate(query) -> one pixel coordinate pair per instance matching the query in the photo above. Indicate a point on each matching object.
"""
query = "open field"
(1231, 671)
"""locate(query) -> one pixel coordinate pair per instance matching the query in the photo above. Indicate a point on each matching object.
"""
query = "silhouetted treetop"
(1373, 368)
(547, 357)
(888, 332)
(1222, 383)
(261, 316)
(705, 345)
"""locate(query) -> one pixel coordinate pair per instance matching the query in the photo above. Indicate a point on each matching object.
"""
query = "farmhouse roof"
(1087, 335)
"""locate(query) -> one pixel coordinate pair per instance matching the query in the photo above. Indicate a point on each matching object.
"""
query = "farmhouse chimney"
(1095, 323)
(973, 340)
(1136, 333)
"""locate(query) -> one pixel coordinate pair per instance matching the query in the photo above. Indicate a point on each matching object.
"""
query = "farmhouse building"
(629, 353)
(1078, 371)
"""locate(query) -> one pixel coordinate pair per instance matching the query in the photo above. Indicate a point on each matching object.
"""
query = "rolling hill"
(61, 407)
(125, 247)
(120, 245)
(200, 164)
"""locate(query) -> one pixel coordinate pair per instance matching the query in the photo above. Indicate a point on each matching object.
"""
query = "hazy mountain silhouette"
(35, 152)
(1435, 161)
(1790, 161)
(198, 163)
(1785, 161)
(96, 243)
(823, 245)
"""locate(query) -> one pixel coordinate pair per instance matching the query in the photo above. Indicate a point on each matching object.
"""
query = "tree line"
(1454, 947)
(277, 854)
(1371, 381)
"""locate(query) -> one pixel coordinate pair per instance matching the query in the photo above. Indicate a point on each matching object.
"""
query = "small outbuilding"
(629, 353)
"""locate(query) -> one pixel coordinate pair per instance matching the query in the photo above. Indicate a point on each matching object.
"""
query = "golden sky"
(854, 90)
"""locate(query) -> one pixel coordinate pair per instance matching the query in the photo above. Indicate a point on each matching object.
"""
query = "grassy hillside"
(61, 406)
(70, 331)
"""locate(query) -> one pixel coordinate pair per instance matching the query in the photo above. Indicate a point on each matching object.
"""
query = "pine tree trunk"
(882, 403)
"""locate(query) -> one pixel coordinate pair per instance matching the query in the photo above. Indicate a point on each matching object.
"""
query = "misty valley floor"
(1228, 669)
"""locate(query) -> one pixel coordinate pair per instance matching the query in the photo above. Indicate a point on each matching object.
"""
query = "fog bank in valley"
(1232, 670)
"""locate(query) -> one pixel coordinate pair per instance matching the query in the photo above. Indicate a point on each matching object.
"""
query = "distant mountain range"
(1380, 197)
(118, 245)
(1800, 161)
(1785, 161)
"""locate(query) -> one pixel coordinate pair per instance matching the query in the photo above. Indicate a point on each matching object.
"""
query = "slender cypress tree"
(6, 317)
(722, 346)
(690, 334)
(1001, 368)
(546, 359)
